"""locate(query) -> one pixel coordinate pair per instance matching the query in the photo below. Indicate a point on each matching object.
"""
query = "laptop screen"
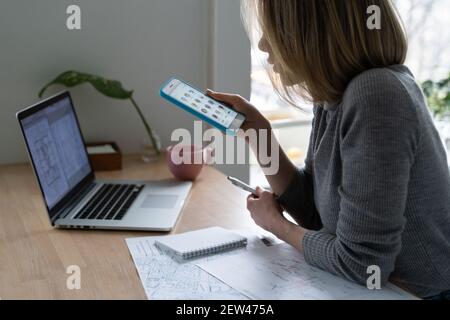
(57, 149)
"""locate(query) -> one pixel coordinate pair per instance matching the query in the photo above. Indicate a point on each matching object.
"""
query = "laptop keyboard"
(111, 202)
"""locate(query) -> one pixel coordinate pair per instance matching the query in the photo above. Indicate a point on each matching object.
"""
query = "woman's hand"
(254, 119)
(265, 145)
(265, 210)
(267, 213)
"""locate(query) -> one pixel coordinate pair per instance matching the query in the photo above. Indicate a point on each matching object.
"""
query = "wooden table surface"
(34, 256)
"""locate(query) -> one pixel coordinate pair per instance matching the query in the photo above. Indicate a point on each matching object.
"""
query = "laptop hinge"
(66, 209)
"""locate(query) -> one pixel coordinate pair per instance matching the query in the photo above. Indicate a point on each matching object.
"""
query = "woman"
(375, 190)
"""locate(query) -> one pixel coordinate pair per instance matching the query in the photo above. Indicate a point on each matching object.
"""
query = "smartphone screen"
(203, 106)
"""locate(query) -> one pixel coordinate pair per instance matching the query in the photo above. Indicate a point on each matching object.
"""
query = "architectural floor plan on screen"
(59, 163)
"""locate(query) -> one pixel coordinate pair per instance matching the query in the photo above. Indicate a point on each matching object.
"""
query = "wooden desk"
(34, 256)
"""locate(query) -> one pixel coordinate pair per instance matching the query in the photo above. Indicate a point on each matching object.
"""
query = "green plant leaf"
(110, 88)
(447, 99)
(427, 87)
(438, 96)
(443, 84)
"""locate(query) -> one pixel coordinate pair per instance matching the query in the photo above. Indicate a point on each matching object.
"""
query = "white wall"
(139, 42)
(230, 61)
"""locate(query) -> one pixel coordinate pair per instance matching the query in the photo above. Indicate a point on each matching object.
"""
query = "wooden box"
(107, 161)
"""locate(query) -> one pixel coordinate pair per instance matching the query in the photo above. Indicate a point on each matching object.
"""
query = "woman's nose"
(262, 45)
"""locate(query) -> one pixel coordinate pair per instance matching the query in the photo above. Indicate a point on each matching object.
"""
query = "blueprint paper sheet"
(164, 278)
(281, 272)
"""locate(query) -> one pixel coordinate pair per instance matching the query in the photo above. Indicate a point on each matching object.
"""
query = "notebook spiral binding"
(216, 249)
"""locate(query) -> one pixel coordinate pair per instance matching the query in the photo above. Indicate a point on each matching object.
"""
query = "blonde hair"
(321, 45)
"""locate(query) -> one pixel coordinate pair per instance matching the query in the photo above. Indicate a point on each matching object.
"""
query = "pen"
(242, 185)
(238, 183)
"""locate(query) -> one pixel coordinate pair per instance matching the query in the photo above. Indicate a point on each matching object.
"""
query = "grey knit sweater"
(375, 189)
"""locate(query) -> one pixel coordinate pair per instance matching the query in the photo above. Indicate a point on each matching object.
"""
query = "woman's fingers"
(259, 191)
(254, 119)
(253, 198)
(250, 202)
(224, 97)
(232, 99)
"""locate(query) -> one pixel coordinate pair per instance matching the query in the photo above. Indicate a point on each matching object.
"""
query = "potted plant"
(437, 94)
(109, 88)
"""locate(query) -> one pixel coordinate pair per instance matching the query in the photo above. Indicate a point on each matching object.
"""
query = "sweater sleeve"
(379, 137)
(298, 198)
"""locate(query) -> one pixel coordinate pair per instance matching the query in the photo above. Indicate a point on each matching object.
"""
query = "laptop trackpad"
(158, 201)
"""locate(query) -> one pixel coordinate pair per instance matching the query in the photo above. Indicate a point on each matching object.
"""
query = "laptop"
(74, 198)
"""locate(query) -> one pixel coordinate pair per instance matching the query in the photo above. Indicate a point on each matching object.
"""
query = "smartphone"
(203, 107)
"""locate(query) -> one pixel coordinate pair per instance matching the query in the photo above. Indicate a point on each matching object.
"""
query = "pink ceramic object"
(186, 161)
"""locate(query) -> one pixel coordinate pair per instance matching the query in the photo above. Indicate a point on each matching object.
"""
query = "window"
(429, 37)
(292, 125)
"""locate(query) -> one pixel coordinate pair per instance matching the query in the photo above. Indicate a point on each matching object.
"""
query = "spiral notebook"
(202, 242)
